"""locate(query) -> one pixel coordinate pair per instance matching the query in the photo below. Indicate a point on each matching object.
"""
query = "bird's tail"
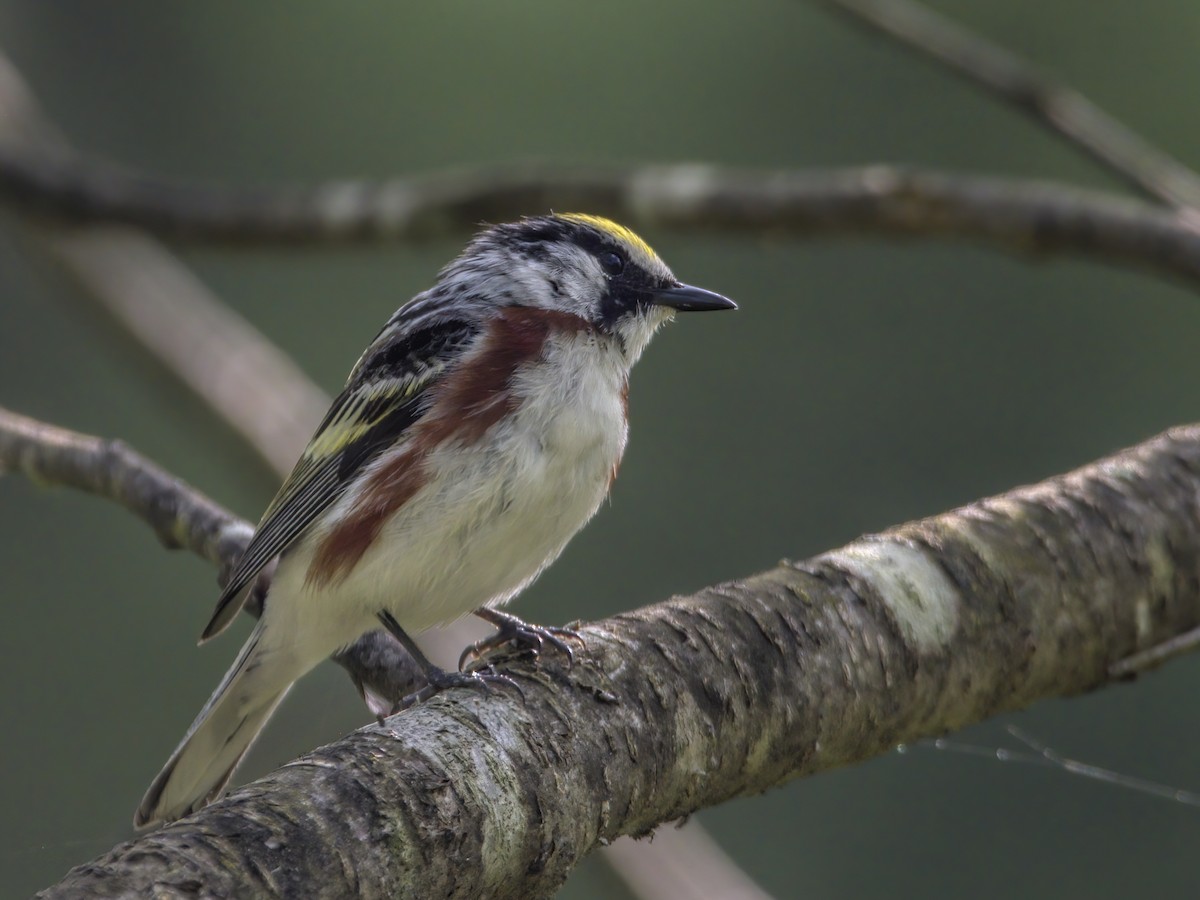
(201, 766)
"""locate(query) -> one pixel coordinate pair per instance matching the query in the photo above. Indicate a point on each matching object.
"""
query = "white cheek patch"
(580, 282)
(916, 590)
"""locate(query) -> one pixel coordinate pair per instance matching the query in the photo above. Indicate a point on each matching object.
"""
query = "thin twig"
(1047, 757)
(1048, 101)
(1153, 657)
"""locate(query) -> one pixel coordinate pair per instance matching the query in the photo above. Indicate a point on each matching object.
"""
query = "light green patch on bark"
(1162, 577)
(917, 591)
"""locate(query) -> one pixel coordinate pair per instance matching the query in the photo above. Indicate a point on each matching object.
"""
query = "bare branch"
(1153, 657)
(1013, 214)
(920, 630)
(179, 515)
(1049, 102)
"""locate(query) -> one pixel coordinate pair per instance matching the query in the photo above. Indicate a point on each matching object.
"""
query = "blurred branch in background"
(1017, 215)
(911, 633)
(243, 378)
(680, 862)
(1048, 101)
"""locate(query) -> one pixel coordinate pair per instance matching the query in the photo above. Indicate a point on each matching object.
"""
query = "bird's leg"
(510, 629)
(437, 679)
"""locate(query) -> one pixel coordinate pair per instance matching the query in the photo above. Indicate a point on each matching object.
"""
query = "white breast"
(494, 514)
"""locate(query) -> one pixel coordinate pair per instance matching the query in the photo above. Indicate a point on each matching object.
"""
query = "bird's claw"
(526, 636)
(442, 680)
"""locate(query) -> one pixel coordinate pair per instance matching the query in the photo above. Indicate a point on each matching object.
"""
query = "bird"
(477, 433)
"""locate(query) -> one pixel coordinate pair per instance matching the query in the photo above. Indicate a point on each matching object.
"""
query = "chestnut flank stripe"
(471, 397)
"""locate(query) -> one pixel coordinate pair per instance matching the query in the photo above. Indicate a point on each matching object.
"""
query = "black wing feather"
(384, 396)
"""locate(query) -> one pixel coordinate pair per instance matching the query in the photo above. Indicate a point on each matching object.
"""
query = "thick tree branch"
(681, 705)
(1047, 101)
(184, 518)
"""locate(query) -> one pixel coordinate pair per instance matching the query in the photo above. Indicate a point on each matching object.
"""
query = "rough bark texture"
(685, 704)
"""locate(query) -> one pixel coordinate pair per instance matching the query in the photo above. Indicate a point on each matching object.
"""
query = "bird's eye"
(612, 263)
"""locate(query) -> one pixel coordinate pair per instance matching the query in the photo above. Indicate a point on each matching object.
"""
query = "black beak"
(686, 298)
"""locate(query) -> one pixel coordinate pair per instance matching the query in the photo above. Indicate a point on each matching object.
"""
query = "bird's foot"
(522, 634)
(439, 680)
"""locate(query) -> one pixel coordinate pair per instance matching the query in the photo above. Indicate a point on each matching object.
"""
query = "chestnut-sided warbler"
(477, 433)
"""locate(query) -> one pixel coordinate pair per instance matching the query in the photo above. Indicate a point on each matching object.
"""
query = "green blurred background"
(862, 384)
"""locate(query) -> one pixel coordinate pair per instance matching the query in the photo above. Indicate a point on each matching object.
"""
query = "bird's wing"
(384, 396)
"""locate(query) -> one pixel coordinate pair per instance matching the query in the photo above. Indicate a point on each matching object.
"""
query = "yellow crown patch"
(619, 233)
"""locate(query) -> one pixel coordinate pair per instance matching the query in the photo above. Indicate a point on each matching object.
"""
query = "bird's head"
(580, 264)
